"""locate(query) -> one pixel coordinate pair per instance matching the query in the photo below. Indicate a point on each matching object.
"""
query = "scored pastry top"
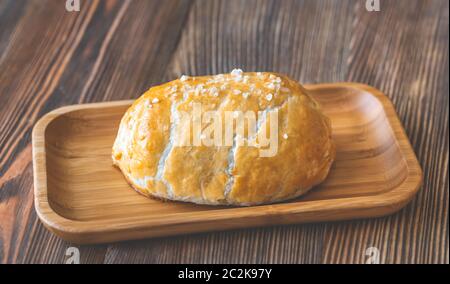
(157, 147)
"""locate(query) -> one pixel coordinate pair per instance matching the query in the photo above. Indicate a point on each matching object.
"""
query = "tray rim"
(101, 231)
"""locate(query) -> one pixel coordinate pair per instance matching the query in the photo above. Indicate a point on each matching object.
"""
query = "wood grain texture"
(116, 49)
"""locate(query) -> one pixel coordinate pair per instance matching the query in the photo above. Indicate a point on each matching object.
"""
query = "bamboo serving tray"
(82, 198)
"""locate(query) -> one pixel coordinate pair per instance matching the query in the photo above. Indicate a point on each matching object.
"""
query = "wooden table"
(114, 50)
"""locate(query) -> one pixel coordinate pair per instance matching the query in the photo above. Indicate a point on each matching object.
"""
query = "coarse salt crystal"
(155, 101)
(271, 86)
(214, 92)
(269, 97)
(184, 78)
(285, 136)
(246, 95)
(237, 72)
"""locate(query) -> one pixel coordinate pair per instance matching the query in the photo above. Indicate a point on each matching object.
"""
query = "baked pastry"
(175, 143)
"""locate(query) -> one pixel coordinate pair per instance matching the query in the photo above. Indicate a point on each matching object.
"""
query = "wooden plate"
(82, 198)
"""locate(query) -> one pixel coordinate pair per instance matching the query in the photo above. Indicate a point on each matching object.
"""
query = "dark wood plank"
(70, 58)
(410, 65)
(36, 52)
(115, 49)
(11, 11)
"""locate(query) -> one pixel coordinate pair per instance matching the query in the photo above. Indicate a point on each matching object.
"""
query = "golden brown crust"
(147, 153)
